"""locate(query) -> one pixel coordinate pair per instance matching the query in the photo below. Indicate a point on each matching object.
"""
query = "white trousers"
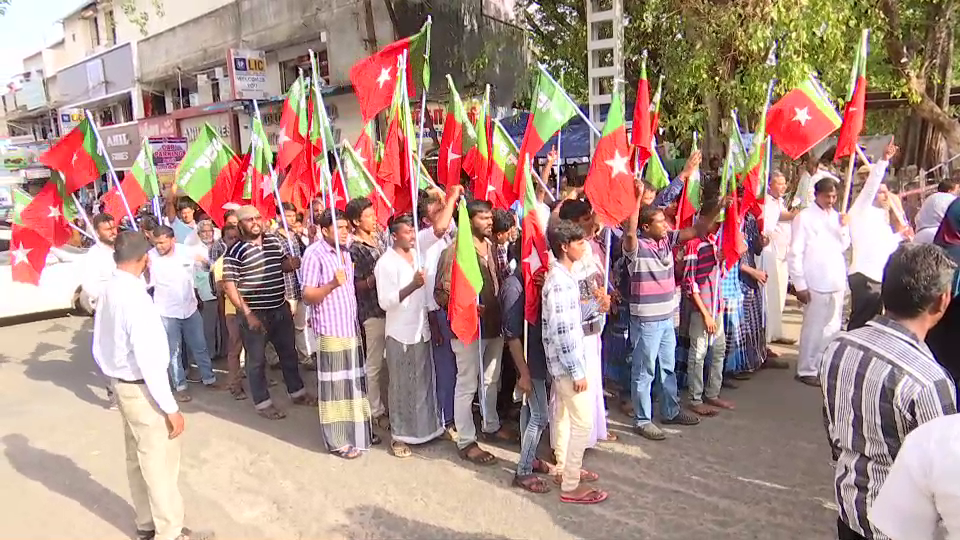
(822, 319)
(776, 292)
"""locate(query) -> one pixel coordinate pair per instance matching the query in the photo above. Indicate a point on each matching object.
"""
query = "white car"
(58, 291)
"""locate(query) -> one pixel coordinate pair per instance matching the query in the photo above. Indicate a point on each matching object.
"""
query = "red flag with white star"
(609, 184)
(44, 215)
(28, 255)
(801, 119)
(375, 77)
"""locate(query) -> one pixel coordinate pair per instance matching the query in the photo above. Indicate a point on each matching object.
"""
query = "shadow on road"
(79, 374)
(374, 522)
(61, 475)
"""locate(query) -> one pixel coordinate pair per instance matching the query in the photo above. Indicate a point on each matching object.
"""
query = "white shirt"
(778, 231)
(928, 218)
(816, 261)
(98, 267)
(129, 341)
(406, 320)
(870, 233)
(171, 275)
(431, 260)
(920, 499)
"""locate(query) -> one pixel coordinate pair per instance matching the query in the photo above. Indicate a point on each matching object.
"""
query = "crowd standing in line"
(655, 313)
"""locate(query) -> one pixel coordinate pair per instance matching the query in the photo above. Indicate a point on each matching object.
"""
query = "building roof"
(83, 5)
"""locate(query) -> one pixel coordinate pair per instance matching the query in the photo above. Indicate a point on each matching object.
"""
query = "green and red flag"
(755, 173)
(395, 167)
(28, 255)
(465, 282)
(533, 249)
(112, 203)
(689, 203)
(655, 173)
(145, 172)
(261, 177)
(375, 77)
(641, 135)
(609, 184)
(855, 110)
(44, 214)
(477, 161)
(69, 206)
(20, 201)
(552, 109)
(732, 242)
(77, 156)
(360, 182)
(655, 109)
(802, 118)
(208, 172)
(503, 165)
(458, 137)
(292, 132)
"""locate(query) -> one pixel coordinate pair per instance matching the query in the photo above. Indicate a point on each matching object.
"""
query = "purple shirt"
(336, 316)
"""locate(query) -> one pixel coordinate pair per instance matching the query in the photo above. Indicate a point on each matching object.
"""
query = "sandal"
(585, 476)
(611, 437)
(592, 496)
(182, 396)
(502, 435)
(306, 399)
(531, 483)
(400, 450)
(348, 453)
(474, 454)
(238, 394)
(271, 413)
(542, 467)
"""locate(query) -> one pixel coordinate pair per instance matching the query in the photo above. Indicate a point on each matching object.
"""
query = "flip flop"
(272, 413)
(347, 453)
(593, 496)
(531, 483)
(400, 450)
(481, 457)
(585, 476)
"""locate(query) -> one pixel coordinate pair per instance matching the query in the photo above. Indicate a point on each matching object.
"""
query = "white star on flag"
(802, 115)
(54, 212)
(618, 164)
(282, 139)
(852, 109)
(266, 187)
(384, 76)
(533, 260)
(74, 160)
(451, 155)
(20, 255)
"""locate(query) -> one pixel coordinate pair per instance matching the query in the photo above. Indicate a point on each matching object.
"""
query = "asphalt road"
(760, 472)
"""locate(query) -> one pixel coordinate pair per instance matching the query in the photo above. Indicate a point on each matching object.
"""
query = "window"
(111, 23)
(180, 98)
(215, 90)
(154, 104)
(95, 30)
(602, 30)
(290, 69)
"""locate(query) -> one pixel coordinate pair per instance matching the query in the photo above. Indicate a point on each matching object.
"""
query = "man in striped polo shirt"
(253, 271)
(648, 246)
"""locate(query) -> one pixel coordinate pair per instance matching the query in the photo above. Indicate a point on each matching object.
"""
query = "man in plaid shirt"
(563, 315)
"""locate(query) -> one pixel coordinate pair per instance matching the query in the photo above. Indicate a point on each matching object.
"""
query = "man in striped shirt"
(880, 382)
(652, 303)
(253, 271)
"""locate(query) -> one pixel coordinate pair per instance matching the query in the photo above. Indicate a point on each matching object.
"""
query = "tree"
(713, 53)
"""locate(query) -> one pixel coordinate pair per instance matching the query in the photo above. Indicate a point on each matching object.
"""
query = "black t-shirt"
(512, 309)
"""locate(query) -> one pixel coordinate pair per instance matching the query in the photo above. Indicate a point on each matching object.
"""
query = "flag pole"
(113, 172)
(336, 157)
(79, 230)
(576, 108)
(559, 147)
(413, 177)
(532, 172)
(83, 213)
(155, 200)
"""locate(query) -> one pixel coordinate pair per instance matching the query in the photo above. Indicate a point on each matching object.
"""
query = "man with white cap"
(253, 271)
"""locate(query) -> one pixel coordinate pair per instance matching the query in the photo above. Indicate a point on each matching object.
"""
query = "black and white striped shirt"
(879, 383)
(256, 272)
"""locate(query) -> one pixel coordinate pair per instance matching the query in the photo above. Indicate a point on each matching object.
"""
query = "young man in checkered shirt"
(563, 315)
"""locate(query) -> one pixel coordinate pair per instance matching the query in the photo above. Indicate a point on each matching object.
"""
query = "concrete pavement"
(760, 472)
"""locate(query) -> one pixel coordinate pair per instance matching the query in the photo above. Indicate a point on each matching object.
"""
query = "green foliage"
(720, 47)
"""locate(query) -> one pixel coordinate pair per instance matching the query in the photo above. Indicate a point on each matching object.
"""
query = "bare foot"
(703, 410)
(720, 404)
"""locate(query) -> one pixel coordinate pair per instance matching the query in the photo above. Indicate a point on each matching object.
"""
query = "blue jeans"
(445, 365)
(189, 331)
(533, 420)
(653, 342)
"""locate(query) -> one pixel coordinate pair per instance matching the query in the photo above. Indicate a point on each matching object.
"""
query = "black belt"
(138, 381)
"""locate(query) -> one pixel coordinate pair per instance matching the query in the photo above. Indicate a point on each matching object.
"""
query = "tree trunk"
(712, 139)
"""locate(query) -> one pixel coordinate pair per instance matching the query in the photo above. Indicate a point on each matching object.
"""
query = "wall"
(77, 39)
(73, 84)
(197, 44)
(174, 13)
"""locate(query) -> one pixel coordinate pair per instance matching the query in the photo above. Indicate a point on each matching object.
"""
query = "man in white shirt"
(812, 174)
(171, 275)
(931, 213)
(920, 499)
(873, 240)
(130, 346)
(818, 269)
(98, 265)
(776, 227)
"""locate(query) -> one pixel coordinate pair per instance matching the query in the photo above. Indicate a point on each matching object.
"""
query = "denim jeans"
(534, 417)
(445, 364)
(277, 329)
(654, 344)
(189, 331)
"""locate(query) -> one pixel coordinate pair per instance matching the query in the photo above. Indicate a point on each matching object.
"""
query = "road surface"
(760, 472)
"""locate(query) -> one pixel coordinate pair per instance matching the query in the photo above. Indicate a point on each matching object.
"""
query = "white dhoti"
(822, 319)
(593, 366)
(775, 291)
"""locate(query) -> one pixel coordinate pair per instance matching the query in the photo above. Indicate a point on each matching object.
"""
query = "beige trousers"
(573, 423)
(374, 330)
(153, 462)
